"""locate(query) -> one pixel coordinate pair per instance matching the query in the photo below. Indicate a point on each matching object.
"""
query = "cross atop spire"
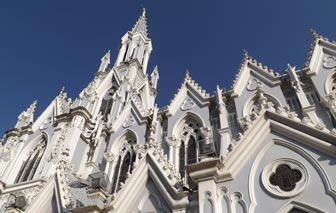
(141, 24)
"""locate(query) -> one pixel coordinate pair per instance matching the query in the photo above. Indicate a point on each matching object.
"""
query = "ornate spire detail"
(141, 24)
(26, 117)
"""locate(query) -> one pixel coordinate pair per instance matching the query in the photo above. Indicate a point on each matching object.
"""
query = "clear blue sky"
(45, 45)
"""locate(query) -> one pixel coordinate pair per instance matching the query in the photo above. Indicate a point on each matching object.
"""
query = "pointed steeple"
(141, 25)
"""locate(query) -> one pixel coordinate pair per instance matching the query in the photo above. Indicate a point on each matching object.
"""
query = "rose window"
(285, 177)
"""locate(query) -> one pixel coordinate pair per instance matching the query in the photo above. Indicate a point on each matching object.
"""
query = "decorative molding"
(130, 121)
(329, 62)
(253, 84)
(187, 104)
(109, 156)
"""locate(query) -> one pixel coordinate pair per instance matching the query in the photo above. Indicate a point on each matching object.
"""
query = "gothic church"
(266, 145)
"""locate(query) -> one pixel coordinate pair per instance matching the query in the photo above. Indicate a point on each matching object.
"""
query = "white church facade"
(266, 145)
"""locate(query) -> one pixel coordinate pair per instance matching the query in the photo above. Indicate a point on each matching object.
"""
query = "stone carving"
(129, 121)
(187, 104)
(109, 157)
(63, 104)
(171, 141)
(329, 62)
(330, 102)
(89, 90)
(7, 150)
(253, 84)
(26, 117)
(59, 148)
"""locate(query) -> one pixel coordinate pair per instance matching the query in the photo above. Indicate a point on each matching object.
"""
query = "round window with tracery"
(284, 177)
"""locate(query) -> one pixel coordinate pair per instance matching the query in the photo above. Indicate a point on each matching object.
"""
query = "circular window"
(285, 177)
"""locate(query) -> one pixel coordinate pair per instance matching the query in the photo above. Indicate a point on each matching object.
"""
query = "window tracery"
(285, 177)
(30, 165)
(189, 149)
(125, 163)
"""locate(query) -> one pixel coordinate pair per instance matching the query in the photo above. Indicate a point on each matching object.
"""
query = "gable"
(189, 89)
(251, 68)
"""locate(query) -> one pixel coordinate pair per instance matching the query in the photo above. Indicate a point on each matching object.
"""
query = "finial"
(245, 54)
(187, 74)
(314, 33)
(156, 68)
(62, 90)
(143, 11)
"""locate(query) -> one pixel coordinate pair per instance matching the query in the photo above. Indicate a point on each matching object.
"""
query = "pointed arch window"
(125, 163)
(107, 102)
(189, 150)
(30, 165)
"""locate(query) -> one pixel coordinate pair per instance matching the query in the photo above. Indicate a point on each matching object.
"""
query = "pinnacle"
(155, 70)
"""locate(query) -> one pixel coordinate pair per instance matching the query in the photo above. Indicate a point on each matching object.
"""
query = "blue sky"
(45, 45)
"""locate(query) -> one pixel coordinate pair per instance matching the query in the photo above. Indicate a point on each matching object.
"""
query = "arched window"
(189, 150)
(30, 165)
(124, 165)
(182, 159)
(107, 102)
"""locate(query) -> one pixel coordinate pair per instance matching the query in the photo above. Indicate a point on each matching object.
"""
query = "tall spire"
(141, 24)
